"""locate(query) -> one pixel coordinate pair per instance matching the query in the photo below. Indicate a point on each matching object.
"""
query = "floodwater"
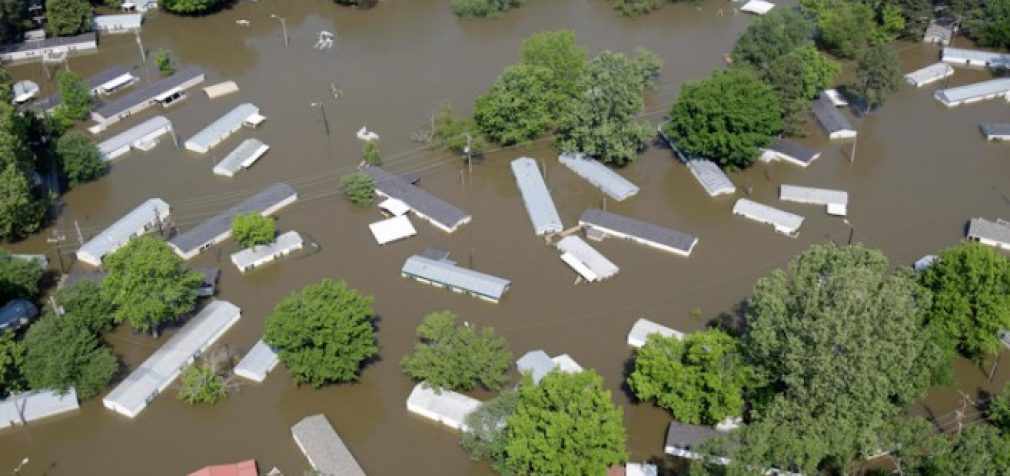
(920, 171)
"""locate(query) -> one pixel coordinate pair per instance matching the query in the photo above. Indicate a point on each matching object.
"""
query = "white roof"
(784, 222)
(600, 176)
(836, 200)
(118, 22)
(392, 229)
(153, 376)
(999, 86)
(260, 360)
(447, 273)
(538, 364)
(220, 89)
(394, 206)
(127, 138)
(566, 363)
(246, 154)
(758, 7)
(133, 224)
(835, 97)
(322, 446)
(639, 333)
(537, 198)
(220, 129)
(256, 255)
(711, 177)
(928, 74)
(641, 469)
(21, 408)
(446, 407)
(599, 266)
(24, 90)
(959, 55)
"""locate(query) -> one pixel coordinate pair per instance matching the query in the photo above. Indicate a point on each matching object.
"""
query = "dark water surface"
(920, 172)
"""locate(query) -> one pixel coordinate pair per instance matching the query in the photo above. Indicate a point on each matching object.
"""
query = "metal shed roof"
(323, 447)
(837, 201)
(828, 116)
(445, 406)
(147, 93)
(392, 229)
(976, 90)
(711, 177)
(422, 202)
(133, 394)
(117, 235)
(646, 231)
(795, 151)
(598, 264)
(995, 128)
(26, 407)
(131, 135)
(221, 128)
(601, 177)
(124, 21)
(537, 198)
(242, 157)
(448, 273)
(256, 364)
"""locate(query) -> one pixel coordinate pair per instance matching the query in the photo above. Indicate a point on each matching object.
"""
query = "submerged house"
(585, 260)
(992, 233)
(27, 407)
(124, 23)
(836, 201)
(105, 82)
(789, 151)
(142, 220)
(57, 46)
(166, 91)
(256, 364)
(538, 364)
(323, 447)
(536, 197)
(246, 114)
(143, 136)
(711, 177)
(16, 314)
(218, 228)
(602, 224)
(834, 123)
(443, 406)
(444, 273)
(975, 58)
(242, 157)
(783, 221)
(970, 93)
(426, 206)
(259, 255)
(600, 176)
(392, 229)
(642, 328)
(996, 131)
(939, 34)
(930, 74)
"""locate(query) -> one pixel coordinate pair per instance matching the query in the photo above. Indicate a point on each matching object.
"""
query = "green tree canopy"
(370, 153)
(68, 17)
(12, 355)
(798, 77)
(163, 58)
(457, 357)
(323, 333)
(85, 304)
(21, 212)
(61, 355)
(79, 158)
(999, 411)
(700, 379)
(13, 20)
(486, 434)
(359, 188)
(979, 450)
(483, 8)
(519, 107)
(456, 134)
(566, 424)
(148, 284)
(989, 23)
(561, 55)
(971, 297)
(601, 123)
(6, 80)
(192, 7)
(18, 278)
(635, 7)
(251, 229)
(76, 100)
(771, 37)
(199, 384)
(846, 27)
(878, 75)
(725, 118)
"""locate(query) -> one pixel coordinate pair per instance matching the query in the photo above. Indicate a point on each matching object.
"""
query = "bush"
(636, 7)
(519, 107)
(483, 8)
(85, 305)
(200, 384)
(166, 66)
(485, 438)
(457, 357)
(370, 153)
(76, 100)
(251, 229)
(68, 17)
(19, 279)
(79, 158)
(359, 188)
(456, 134)
(61, 355)
(12, 355)
(192, 7)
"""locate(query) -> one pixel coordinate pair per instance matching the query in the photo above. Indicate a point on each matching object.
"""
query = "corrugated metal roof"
(131, 135)
(828, 116)
(445, 406)
(711, 177)
(30, 406)
(422, 202)
(148, 93)
(536, 197)
(601, 177)
(783, 221)
(221, 128)
(257, 255)
(646, 231)
(600, 266)
(140, 219)
(537, 363)
(323, 447)
(256, 364)
(243, 156)
(449, 274)
(972, 91)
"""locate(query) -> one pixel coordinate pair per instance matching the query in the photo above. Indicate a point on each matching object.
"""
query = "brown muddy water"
(920, 172)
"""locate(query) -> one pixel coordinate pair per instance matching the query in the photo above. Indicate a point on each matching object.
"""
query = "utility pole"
(80, 236)
(140, 44)
(467, 150)
(284, 27)
(852, 154)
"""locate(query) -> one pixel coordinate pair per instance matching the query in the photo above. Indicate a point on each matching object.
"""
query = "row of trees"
(483, 8)
(985, 21)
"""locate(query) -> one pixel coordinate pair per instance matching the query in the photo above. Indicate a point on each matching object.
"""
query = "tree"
(486, 435)
(79, 158)
(839, 338)
(370, 153)
(166, 65)
(359, 188)
(21, 213)
(519, 107)
(989, 23)
(6, 79)
(13, 20)
(725, 118)
(200, 384)
(566, 424)
(999, 411)
(192, 7)
(457, 357)
(771, 37)
(68, 17)
(12, 355)
(19, 279)
(971, 298)
(483, 8)
(632, 8)
(700, 379)
(878, 75)
(61, 355)
(846, 28)
(561, 55)
(323, 333)
(915, 16)
(979, 450)
(601, 123)
(456, 134)
(251, 229)
(84, 304)
(798, 77)
(148, 284)
(76, 100)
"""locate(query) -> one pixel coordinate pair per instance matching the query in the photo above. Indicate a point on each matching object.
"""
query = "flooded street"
(920, 172)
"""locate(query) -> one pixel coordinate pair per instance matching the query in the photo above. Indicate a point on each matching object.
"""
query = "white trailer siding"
(975, 58)
(992, 233)
(221, 129)
(242, 157)
(585, 260)
(259, 255)
(140, 136)
(972, 93)
(139, 221)
(783, 222)
(446, 407)
(836, 201)
(23, 408)
(930, 74)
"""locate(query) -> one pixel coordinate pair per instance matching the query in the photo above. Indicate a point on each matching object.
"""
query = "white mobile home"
(837, 201)
(392, 229)
(536, 197)
(112, 24)
(783, 222)
(242, 157)
(538, 364)
(975, 58)
(585, 260)
(711, 177)
(219, 130)
(143, 219)
(930, 74)
(600, 176)
(789, 151)
(166, 91)
(143, 136)
(259, 255)
(446, 407)
(443, 273)
(602, 223)
(834, 123)
(426, 206)
(256, 364)
(995, 131)
(757, 7)
(27, 407)
(992, 233)
(642, 328)
(970, 93)
(323, 447)
(38, 50)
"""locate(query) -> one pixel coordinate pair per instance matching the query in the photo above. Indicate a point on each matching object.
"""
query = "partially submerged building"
(23, 408)
(711, 177)
(642, 328)
(939, 34)
(970, 93)
(975, 58)
(585, 260)
(789, 151)
(757, 7)
(996, 131)
(600, 176)
(223, 88)
(218, 228)
(929, 74)
(834, 123)
(245, 114)
(323, 447)
(443, 406)
(392, 229)
(166, 91)
(55, 47)
(538, 364)
(783, 221)
(836, 201)
(443, 273)
(536, 197)
(153, 376)
(992, 233)
(425, 205)
(259, 255)
(140, 221)
(685, 441)
(106, 82)
(242, 157)
(113, 24)
(143, 136)
(257, 363)
(602, 223)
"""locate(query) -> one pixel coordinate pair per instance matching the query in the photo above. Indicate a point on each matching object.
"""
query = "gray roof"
(537, 363)
(989, 230)
(612, 184)
(116, 22)
(435, 254)
(323, 447)
(647, 231)
(975, 90)
(794, 150)
(711, 177)
(221, 223)
(928, 74)
(148, 92)
(995, 128)
(829, 117)
(131, 135)
(48, 43)
(957, 55)
(602, 267)
(222, 127)
(781, 220)
(688, 437)
(95, 81)
(536, 197)
(450, 274)
(418, 200)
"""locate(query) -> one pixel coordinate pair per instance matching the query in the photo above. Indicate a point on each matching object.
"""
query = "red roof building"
(244, 468)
